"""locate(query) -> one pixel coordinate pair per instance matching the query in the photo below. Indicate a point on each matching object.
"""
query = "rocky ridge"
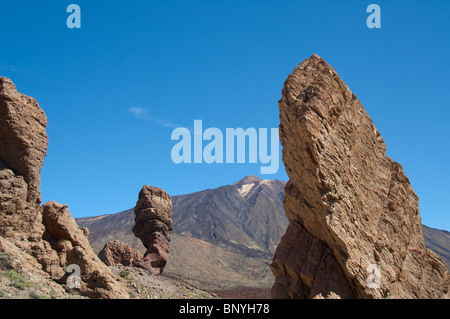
(43, 240)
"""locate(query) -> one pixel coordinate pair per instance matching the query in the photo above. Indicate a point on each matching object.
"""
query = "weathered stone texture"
(348, 203)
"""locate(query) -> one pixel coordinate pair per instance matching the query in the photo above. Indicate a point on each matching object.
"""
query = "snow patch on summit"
(246, 188)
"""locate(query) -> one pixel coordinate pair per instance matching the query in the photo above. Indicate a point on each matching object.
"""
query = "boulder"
(117, 253)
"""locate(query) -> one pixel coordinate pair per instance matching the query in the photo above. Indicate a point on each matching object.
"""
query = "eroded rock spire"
(153, 223)
(349, 205)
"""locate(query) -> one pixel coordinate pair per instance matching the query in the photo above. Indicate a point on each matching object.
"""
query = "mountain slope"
(105, 228)
(438, 241)
(224, 237)
(246, 217)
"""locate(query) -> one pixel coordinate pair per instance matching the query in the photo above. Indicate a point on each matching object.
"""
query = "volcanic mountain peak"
(248, 180)
(249, 184)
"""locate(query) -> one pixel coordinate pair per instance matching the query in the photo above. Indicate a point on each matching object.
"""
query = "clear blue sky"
(223, 62)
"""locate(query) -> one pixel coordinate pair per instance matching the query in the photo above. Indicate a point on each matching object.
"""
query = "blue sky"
(114, 90)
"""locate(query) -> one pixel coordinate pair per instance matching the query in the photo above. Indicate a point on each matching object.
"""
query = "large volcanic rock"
(352, 210)
(44, 239)
(116, 252)
(23, 142)
(23, 146)
(153, 223)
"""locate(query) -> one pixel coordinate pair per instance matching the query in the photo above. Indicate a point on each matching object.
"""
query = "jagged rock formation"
(44, 239)
(23, 146)
(349, 205)
(153, 223)
(23, 143)
(117, 253)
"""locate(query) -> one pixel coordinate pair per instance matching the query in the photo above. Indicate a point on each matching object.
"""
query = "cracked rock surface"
(153, 223)
(349, 205)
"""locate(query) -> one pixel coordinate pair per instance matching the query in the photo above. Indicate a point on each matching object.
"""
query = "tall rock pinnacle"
(153, 223)
(351, 208)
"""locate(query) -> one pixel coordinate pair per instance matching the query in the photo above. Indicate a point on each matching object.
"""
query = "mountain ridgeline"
(246, 217)
(223, 237)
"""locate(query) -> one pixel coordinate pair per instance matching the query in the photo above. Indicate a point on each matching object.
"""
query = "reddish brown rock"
(72, 247)
(117, 253)
(351, 208)
(44, 239)
(23, 146)
(153, 223)
(23, 141)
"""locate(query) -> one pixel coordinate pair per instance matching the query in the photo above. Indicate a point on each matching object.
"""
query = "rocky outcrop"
(117, 253)
(23, 142)
(355, 229)
(44, 239)
(72, 247)
(23, 146)
(153, 223)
